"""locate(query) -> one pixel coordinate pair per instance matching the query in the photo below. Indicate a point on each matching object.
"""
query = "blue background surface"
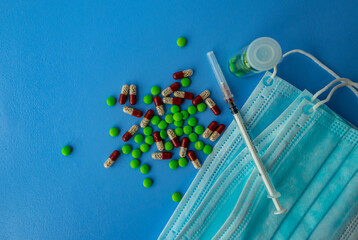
(60, 60)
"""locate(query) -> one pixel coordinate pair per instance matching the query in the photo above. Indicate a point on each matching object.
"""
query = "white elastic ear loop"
(343, 80)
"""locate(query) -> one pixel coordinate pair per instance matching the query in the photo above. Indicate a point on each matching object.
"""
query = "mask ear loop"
(343, 80)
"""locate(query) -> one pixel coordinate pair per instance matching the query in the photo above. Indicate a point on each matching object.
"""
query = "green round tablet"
(66, 150)
(176, 197)
(163, 134)
(111, 101)
(192, 121)
(182, 162)
(199, 145)
(149, 140)
(173, 164)
(144, 147)
(175, 109)
(144, 168)
(181, 42)
(114, 132)
(179, 132)
(199, 129)
(187, 129)
(155, 120)
(207, 149)
(201, 107)
(192, 110)
(135, 163)
(147, 182)
(185, 114)
(136, 153)
(148, 99)
(192, 137)
(138, 138)
(126, 149)
(162, 125)
(168, 146)
(177, 116)
(155, 90)
(147, 131)
(185, 82)
(179, 123)
(169, 118)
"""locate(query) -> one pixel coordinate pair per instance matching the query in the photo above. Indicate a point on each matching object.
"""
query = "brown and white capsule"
(146, 119)
(210, 129)
(132, 111)
(201, 97)
(173, 138)
(158, 141)
(217, 132)
(175, 86)
(212, 105)
(182, 74)
(123, 97)
(194, 159)
(183, 146)
(159, 105)
(132, 94)
(185, 95)
(162, 155)
(173, 100)
(130, 133)
(111, 159)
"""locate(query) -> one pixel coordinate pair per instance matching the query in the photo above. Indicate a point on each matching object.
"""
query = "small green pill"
(207, 149)
(138, 138)
(181, 42)
(176, 197)
(199, 145)
(168, 146)
(162, 125)
(192, 121)
(135, 163)
(148, 99)
(144, 147)
(185, 82)
(173, 164)
(66, 150)
(163, 134)
(155, 120)
(192, 137)
(147, 131)
(149, 140)
(199, 129)
(144, 168)
(233, 59)
(201, 107)
(126, 149)
(169, 118)
(155, 90)
(192, 110)
(147, 182)
(111, 101)
(114, 132)
(136, 153)
(182, 162)
(187, 129)
(179, 123)
(177, 116)
(175, 109)
(179, 132)
(185, 114)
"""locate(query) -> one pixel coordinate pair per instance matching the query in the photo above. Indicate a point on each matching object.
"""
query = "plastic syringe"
(272, 193)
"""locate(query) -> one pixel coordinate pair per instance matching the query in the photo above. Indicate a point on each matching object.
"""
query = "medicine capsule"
(132, 111)
(172, 100)
(111, 159)
(217, 132)
(194, 159)
(173, 138)
(175, 86)
(146, 119)
(212, 105)
(185, 95)
(201, 97)
(183, 74)
(132, 94)
(184, 146)
(210, 129)
(162, 155)
(123, 97)
(158, 141)
(130, 133)
(159, 105)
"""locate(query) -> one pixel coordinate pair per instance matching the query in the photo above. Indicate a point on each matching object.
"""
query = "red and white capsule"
(201, 97)
(130, 133)
(173, 138)
(132, 94)
(173, 100)
(175, 86)
(185, 95)
(159, 105)
(217, 132)
(158, 141)
(132, 111)
(212, 105)
(146, 119)
(111, 159)
(123, 97)
(184, 146)
(182, 74)
(194, 159)
(210, 129)
(162, 155)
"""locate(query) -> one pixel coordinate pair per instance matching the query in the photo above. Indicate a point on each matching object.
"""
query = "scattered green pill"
(126, 149)
(155, 120)
(199, 145)
(144, 147)
(179, 132)
(149, 140)
(187, 129)
(168, 146)
(201, 107)
(173, 164)
(185, 82)
(199, 129)
(192, 121)
(192, 137)
(207, 149)
(138, 138)
(192, 110)
(177, 116)
(111, 101)
(181, 42)
(144, 168)
(135, 163)
(185, 114)
(175, 109)
(155, 90)
(114, 132)
(163, 134)
(66, 150)
(148, 99)
(176, 197)
(147, 131)
(162, 125)
(179, 123)
(136, 153)
(169, 118)
(182, 162)
(147, 182)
